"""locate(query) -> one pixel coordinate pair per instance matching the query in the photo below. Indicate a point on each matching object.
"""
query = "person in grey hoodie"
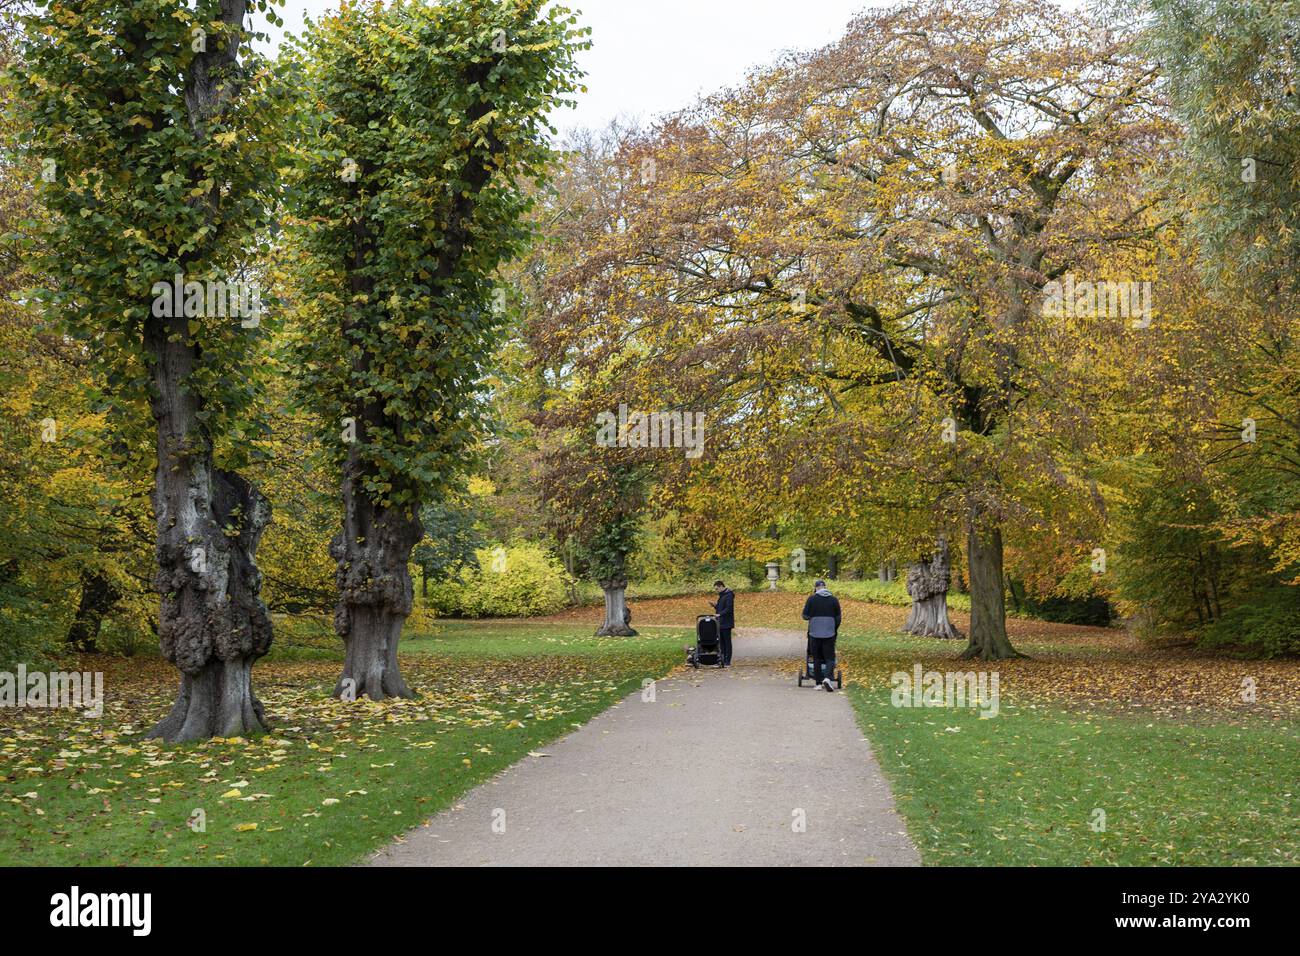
(822, 612)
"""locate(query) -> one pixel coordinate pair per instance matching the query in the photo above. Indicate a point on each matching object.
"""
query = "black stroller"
(708, 646)
(809, 664)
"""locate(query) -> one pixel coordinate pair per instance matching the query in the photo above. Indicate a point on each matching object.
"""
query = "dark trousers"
(724, 637)
(823, 655)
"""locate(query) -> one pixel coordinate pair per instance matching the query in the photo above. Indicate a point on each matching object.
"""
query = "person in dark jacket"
(725, 608)
(822, 612)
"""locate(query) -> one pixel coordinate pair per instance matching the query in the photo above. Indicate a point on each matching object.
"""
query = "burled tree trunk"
(615, 609)
(212, 624)
(988, 610)
(927, 583)
(375, 591)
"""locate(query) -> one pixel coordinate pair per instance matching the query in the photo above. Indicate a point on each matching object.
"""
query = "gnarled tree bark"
(212, 624)
(927, 584)
(615, 624)
(375, 591)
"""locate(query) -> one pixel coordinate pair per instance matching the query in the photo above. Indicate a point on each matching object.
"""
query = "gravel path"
(719, 769)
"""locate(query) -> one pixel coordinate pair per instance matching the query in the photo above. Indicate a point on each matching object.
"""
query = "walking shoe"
(826, 682)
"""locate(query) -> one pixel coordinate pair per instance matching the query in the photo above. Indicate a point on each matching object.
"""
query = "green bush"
(523, 580)
(1267, 624)
(30, 627)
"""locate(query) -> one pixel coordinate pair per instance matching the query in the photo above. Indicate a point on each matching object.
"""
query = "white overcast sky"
(650, 57)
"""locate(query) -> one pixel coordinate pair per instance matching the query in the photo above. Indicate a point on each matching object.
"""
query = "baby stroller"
(807, 673)
(708, 647)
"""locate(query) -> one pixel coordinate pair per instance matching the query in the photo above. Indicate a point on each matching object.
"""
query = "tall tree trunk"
(927, 583)
(97, 598)
(615, 609)
(375, 592)
(212, 623)
(832, 567)
(988, 610)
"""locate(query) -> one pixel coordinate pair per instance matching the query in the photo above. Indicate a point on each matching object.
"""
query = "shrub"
(523, 580)
(1267, 624)
(29, 626)
(129, 627)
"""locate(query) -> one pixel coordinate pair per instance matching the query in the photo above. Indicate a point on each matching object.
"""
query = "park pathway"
(716, 770)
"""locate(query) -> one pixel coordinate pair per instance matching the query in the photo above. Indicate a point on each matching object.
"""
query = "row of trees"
(371, 180)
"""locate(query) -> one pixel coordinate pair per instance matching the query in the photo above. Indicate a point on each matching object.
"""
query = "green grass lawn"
(1181, 780)
(333, 780)
(508, 639)
(1021, 788)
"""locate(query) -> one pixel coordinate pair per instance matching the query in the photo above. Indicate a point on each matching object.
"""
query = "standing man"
(726, 611)
(822, 612)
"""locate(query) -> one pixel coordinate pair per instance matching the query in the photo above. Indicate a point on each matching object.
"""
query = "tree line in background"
(954, 307)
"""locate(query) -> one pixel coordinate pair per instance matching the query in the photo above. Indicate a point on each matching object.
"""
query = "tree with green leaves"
(1232, 74)
(428, 127)
(595, 498)
(153, 142)
(451, 538)
(1233, 78)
